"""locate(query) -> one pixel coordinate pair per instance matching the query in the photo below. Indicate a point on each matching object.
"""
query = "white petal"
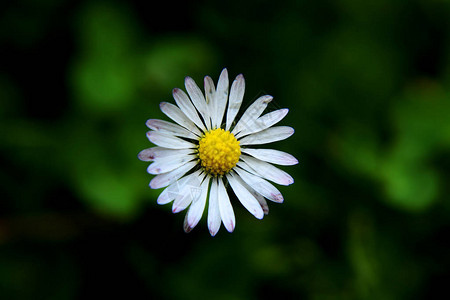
(268, 135)
(261, 186)
(198, 99)
(168, 164)
(245, 197)
(210, 89)
(165, 179)
(262, 201)
(186, 106)
(167, 127)
(175, 113)
(147, 154)
(210, 92)
(272, 156)
(156, 153)
(197, 207)
(265, 170)
(264, 122)
(225, 208)
(175, 189)
(235, 101)
(188, 191)
(214, 219)
(264, 205)
(252, 113)
(168, 141)
(221, 97)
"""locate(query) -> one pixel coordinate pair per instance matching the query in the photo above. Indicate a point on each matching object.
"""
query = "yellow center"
(218, 151)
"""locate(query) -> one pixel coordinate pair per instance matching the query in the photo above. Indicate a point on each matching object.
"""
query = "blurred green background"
(367, 85)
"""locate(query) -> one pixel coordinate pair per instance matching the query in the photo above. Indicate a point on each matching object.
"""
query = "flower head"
(206, 149)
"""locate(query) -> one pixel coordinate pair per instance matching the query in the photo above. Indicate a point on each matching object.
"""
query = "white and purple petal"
(168, 141)
(214, 219)
(156, 153)
(265, 170)
(210, 89)
(252, 113)
(269, 135)
(165, 179)
(186, 106)
(264, 122)
(197, 207)
(245, 197)
(175, 113)
(225, 207)
(260, 185)
(188, 192)
(221, 98)
(272, 156)
(235, 100)
(198, 99)
(170, 128)
(167, 164)
(174, 190)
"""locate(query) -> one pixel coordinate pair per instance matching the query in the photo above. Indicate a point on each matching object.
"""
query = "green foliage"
(105, 75)
(404, 166)
(367, 85)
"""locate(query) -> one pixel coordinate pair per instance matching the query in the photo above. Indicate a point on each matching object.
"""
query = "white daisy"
(207, 150)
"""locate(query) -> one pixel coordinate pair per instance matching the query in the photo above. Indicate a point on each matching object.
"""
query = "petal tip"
(230, 227)
(213, 232)
(162, 199)
(224, 73)
(268, 98)
(144, 155)
(278, 198)
(154, 184)
(149, 135)
(152, 170)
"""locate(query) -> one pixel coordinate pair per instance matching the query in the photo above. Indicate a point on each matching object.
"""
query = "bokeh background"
(367, 85)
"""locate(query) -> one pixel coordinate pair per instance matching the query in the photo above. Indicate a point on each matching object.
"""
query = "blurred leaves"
(404, 166)
(367, 88)
(169, 57)
(105, 75)
(372, 253)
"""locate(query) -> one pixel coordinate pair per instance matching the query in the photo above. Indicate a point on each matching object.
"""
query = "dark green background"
(367, 85)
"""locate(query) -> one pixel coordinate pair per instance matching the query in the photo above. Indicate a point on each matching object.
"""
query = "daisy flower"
(207, 149)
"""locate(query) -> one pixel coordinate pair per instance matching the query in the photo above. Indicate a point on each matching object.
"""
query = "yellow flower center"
(218, 151)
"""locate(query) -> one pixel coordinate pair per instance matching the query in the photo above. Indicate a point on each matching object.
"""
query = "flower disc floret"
(219, 151)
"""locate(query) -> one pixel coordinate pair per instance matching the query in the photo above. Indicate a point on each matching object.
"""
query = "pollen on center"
(219, 151)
